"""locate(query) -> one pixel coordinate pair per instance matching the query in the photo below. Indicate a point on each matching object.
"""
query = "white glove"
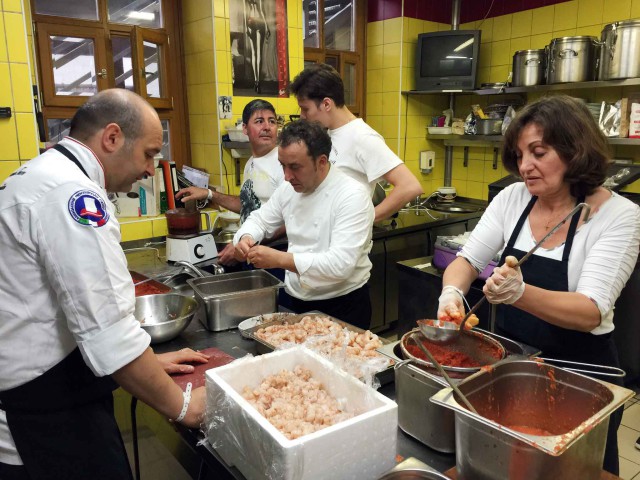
(506, 285)
(451, 304)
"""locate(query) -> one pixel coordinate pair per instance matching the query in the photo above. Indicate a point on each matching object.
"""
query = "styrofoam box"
(360, 448)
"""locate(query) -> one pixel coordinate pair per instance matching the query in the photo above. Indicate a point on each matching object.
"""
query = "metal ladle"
(444, 332)
(442, 372)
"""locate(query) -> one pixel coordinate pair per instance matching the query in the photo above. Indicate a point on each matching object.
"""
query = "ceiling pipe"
(448, 151)
(455, 15)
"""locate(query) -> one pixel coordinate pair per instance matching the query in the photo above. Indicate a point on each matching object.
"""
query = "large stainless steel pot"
(529, 67)
(620, 50)
(572, 59)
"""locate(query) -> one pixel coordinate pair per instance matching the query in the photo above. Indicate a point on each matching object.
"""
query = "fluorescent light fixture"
(456, 56)
(147, 16)
(463, 45)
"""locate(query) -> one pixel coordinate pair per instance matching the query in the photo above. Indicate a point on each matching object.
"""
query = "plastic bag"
(609, 121)
(508, 116)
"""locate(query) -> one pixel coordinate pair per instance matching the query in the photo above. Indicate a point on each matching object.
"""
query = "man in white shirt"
(68, 334)
(357, 149)
(329, 219)
(262, 173)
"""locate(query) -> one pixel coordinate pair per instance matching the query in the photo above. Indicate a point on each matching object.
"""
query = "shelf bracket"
(465, 162)
(496, 150)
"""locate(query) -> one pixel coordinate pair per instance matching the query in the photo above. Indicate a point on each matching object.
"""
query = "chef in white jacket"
(328, 217)
(68, 335)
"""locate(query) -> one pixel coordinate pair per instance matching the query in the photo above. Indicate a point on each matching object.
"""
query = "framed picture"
(260, 58)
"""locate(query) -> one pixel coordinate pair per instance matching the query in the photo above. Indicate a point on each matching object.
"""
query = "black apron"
(62, 422)
(554, 341)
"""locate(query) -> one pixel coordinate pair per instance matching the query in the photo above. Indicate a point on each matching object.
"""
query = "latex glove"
(451, 304)
(506, 285)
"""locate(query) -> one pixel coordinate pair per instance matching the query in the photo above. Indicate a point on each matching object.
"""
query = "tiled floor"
(628, 433)
(157, 463)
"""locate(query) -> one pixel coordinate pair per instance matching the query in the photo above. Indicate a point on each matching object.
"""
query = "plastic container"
(439, 130)
(362, 447)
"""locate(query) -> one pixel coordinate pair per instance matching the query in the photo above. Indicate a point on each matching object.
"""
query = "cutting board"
(217, 358)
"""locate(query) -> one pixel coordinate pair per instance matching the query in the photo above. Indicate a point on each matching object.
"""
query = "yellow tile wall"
(501, 37)
(209, 74)
(18, 133)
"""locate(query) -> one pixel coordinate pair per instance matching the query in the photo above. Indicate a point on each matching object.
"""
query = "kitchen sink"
(455, 207)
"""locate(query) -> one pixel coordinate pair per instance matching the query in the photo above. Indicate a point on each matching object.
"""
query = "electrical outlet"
(427, 160)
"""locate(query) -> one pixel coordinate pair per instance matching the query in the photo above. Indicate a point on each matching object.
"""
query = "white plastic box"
(361, 448)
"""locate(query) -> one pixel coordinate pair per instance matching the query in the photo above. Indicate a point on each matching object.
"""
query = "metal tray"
(385, 376)
(229, 298)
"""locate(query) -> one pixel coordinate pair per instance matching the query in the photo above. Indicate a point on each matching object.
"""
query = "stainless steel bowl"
(164, 316)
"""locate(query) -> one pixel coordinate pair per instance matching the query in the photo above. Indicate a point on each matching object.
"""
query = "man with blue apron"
(554, 341)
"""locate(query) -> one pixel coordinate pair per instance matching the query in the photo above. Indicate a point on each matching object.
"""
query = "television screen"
(447, 56)
(447, 60)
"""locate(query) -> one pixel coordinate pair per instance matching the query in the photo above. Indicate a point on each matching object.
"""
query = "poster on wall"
(259, 56)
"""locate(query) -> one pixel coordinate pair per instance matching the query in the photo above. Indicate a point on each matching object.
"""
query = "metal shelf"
(494, 140)
(630, 82)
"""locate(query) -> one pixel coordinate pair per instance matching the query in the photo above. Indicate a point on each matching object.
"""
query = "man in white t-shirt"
(357, 149)
(262, 173)
(329, 219)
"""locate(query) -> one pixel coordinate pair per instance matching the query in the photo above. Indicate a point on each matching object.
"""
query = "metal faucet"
(190, 266)
(217, 269)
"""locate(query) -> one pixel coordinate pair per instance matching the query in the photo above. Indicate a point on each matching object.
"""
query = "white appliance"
(195, 249)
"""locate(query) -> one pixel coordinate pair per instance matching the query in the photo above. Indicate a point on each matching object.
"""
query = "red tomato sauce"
(445, 355)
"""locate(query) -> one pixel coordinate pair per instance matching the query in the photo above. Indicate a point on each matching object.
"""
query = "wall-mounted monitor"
(447, 60)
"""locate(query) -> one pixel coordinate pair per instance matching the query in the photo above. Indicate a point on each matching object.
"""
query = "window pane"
(84, 9)
(339, 25)
(166, 140)
(123, 67)
(349, 80)
(144, 13)
(333, 61)
(74, 69)
(58, 129)
(310, 23)
(152, 73)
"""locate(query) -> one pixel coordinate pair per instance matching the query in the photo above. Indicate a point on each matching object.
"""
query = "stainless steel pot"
(529, 67)
(620, 50)
(572, 59)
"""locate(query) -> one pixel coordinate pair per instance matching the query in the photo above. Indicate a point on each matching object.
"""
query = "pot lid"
(635, 22)
(529, 52)
(578, 38)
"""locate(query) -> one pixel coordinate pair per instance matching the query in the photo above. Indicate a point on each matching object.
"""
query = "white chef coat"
(329, 232)
(361, 152)
(262, 175)
(64, 281)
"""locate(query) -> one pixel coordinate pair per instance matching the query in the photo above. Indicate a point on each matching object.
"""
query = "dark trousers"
(13, 472)
(353, 308)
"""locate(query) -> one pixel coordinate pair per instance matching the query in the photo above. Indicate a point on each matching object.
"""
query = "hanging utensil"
(444, 332)
(444, 375)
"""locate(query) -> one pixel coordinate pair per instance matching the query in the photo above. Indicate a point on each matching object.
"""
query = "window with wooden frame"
(334, 33)
(86, 46)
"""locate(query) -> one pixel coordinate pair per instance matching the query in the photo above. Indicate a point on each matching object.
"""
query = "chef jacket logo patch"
(87, 208)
